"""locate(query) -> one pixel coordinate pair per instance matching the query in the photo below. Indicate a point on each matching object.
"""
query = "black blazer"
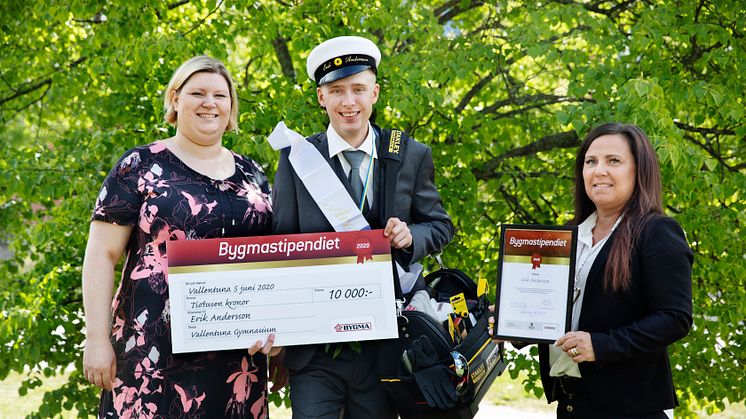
(412, 197)
(631, 330)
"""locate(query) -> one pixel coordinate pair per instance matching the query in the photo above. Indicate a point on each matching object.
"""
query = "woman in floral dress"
(186, 187)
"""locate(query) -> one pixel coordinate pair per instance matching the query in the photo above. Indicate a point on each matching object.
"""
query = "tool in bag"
(441, 368)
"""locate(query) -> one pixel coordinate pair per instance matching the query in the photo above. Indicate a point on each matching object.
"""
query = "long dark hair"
(643, 205)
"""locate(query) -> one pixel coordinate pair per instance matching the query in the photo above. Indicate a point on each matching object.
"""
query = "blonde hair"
(199, 64)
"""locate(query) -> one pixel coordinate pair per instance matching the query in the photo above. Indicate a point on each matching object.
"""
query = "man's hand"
(398, 233)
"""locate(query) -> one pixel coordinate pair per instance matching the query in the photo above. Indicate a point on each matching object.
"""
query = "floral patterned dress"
(163, 199)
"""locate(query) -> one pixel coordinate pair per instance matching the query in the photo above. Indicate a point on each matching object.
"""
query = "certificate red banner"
(535, 280)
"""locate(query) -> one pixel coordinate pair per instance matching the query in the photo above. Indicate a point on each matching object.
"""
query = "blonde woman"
(185, 187)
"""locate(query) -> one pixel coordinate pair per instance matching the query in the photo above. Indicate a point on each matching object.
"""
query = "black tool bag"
(484, 357)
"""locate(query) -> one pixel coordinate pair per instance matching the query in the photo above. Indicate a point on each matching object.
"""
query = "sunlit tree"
(501, 90)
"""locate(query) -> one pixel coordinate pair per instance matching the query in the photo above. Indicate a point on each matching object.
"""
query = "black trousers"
(348, 383)
(575, 403)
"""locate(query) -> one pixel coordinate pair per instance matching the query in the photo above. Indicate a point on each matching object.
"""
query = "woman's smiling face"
(609, 173)
(203, 106)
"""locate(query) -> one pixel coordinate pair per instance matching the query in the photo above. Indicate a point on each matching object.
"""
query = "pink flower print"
(222, 186)
(258, 409)
(242, 380)
(166, 313)
(255, 196)
(146, 371)
(129, 404)
(144, 182)
(130, 162)
(124, 399)
(143, 409)
(117, 329)
(153, 261)
(149, 264)
(189, 397)
(138, 338)
(196, 203)
(177, 234)
(157, 147)
(141, 370)
(117, 300)
(147, 215)
(98, 209)
(256, 166)
(241, 387)
(151, 180)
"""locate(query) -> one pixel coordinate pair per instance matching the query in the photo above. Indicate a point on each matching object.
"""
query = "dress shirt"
(337, 145)
(584, 257)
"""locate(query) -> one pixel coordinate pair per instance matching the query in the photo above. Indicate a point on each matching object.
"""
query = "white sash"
(319, 178)
(328, 191)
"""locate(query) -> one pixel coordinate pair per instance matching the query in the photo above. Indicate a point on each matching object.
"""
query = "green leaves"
(492, 88)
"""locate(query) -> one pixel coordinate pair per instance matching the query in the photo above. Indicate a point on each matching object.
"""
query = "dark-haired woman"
(633, 286)
(633, 292)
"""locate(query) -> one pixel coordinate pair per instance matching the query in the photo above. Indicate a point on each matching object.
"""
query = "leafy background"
(501, 90)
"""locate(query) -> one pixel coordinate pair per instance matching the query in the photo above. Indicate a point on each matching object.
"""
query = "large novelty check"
(304, 288)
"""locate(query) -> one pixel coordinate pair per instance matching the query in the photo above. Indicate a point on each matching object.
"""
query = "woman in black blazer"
(633, 292)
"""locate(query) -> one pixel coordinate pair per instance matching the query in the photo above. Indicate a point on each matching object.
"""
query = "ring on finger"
(574, 352)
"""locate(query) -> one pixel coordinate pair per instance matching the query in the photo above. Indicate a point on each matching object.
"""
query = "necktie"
(355, 158)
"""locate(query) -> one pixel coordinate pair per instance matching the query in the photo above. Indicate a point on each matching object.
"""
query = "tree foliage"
(501, 90)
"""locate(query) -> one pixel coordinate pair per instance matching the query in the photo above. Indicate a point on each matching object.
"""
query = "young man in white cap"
(391, 177)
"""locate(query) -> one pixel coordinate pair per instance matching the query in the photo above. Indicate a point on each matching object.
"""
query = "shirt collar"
(337, 144)
(585, 229)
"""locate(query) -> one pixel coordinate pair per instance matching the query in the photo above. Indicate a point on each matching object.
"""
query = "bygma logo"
(353, 327)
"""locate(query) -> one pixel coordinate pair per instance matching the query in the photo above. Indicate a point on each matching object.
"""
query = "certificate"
(304, 288)
(535, 277)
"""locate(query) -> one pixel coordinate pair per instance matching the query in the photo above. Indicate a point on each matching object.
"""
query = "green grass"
(13, 406)
(505, 391)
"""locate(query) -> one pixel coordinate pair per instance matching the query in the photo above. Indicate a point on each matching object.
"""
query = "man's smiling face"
(349, 104)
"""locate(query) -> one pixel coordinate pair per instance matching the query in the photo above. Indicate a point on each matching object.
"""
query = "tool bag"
(466, 369)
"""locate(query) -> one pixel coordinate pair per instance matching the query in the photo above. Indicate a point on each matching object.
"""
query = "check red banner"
(228, 293)
(363, 243)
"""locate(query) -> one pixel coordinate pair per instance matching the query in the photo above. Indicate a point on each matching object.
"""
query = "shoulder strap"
(391, 151)
(394, 144)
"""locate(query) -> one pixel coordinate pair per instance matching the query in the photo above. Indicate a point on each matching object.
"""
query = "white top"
(585, 255)
(337, 145)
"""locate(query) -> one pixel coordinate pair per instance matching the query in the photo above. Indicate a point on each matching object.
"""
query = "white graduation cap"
(341, 57)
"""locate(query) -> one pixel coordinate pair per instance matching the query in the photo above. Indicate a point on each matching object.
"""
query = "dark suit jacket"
(631, 330)
(412, 197)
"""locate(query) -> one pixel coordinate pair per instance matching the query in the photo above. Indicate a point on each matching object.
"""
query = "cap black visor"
(341, 73)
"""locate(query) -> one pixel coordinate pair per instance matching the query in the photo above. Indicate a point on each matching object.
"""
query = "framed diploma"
(535, 281)
(304, 288)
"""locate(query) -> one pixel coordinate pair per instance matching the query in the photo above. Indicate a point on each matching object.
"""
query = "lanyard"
(367, 176)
